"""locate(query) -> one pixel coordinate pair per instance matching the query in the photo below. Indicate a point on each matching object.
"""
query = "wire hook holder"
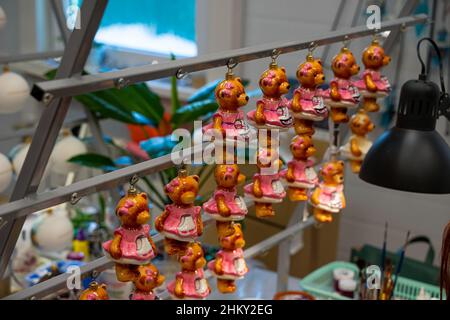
(181, 74)
(75, 198)
(133, 181)
(231, 64)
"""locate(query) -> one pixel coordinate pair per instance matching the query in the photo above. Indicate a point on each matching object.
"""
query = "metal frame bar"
(31, 56)
(90, 83)
(51, 122)
(21, 208)
(60, 91)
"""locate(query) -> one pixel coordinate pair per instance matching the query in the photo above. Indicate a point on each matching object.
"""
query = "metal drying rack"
(57, 95)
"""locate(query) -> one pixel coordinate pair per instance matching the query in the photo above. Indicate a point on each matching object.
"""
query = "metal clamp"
(275, 54)
(121, 83)
(181, 74)
(74, 198)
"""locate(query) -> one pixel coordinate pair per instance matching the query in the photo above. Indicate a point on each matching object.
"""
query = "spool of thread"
(342, 274)
(347, 288)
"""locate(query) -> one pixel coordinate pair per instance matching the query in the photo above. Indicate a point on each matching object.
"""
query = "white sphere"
(65, 149)
(14, 92)
(53, 232)
(2, 18)
(19, 158)
(6, 172)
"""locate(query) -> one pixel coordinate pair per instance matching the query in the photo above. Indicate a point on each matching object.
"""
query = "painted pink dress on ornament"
(235, 203)
(137, 295)
(312, 105)
(134, 245)
(233, 264)
(232, 122)
(271, 188)
(195, 286)
(330, 198)
(181, 223)
(380, 81)
(304, 174)
(349, 93)
(276, 112)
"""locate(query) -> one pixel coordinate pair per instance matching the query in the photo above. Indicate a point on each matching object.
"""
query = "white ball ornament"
(66, 148)
(19, 154)
(6, 172)
(14, 92)
(52, 231)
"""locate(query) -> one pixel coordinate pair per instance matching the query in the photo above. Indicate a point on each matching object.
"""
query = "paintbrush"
(399, 264)
(383, 252)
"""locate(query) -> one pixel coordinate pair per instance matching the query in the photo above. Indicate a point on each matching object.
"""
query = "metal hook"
(181, 74)
(346, 41)
(403, 27)
(231, 64)
(94, 274)
(312, 46)
(134, 179)
(74, 198)
(275, 54)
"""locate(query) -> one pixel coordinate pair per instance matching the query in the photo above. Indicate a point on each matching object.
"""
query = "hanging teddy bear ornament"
(342, 94)
(190, 282)
(95, 291)
(229, 122)
(145, 278)
(272, 109)
(300, 175)
(132, 243)
(307, 104)
(328, 197)
(181, 221)
(266, 188)
(229, 264)
(358, 145)
(372, 85)
(132, 248)
(226, 204)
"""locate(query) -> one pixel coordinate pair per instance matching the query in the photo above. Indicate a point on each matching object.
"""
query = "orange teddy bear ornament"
(307, 104)
(229, 122)
(145, 279)
(272, 110)
(372, 84)
(190, 282)
(342, 94)
(229, 264)
(300, 174)
(181, 221)
(95, 291)
(132, 243)
(328, 197)
(266, 188)
(358, 145)
(226, 204)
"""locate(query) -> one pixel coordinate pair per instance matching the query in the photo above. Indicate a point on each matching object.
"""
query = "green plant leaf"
(153, 108)
(193, 111)
(105, 109)
(93, 160)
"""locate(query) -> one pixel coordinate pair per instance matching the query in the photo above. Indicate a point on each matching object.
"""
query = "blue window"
(154, 26)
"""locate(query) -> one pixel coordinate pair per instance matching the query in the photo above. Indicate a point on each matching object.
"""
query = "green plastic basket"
(320, 284)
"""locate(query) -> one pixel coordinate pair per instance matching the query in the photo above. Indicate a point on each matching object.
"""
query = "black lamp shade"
(409, 160)
(411, 156)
